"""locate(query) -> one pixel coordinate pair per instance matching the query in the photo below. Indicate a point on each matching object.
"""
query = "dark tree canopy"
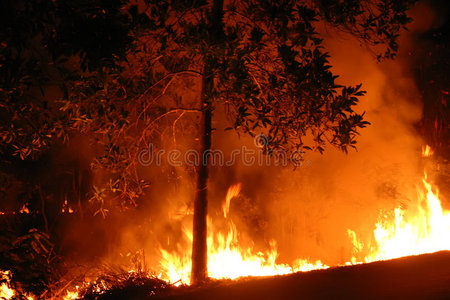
(120, 73)
(269, 65)
(272, 70)
(265, 62)
(45, 45)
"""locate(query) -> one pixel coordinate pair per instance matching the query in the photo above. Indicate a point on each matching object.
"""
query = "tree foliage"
(43, 46)
(123, 74)
(270, 66)
(118, 72)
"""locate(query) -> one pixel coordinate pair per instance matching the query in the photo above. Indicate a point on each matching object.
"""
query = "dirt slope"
(416, 277)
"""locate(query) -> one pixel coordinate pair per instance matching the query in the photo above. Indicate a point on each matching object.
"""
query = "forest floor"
(416, 277)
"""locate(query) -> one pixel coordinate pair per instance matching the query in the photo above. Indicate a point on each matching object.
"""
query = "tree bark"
(199, 242)
(199, 272)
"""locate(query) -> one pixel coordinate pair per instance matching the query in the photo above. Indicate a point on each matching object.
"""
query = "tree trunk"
(199, 271)
(199, 246)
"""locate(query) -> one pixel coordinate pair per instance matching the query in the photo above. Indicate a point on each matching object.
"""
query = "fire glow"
(422, 228)
(5, 290)
(226, 259)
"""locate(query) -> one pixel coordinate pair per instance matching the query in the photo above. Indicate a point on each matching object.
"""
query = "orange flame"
(427, 151)
(5, 290)
(66, 208)
(24, 209)
(424, 232)
(422, 228)
(71, 295)
(226, 258)
(233, 191)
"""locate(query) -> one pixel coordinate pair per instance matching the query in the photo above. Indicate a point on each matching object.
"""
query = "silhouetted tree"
(45, 46)
(263, 60)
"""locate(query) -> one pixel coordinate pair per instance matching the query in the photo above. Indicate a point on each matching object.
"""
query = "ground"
(416, 277)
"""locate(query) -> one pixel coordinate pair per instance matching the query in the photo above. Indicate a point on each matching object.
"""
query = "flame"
(233, 191)
(423, 227)
(24, 209)
(71, 295)
(427, 151)
(5, 290)
(226, 258)
(420, 229)
(304, 265)
(66, 208)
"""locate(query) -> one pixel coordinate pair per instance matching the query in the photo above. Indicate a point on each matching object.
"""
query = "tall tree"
(199, 243)
(263, 60)
(266, 63)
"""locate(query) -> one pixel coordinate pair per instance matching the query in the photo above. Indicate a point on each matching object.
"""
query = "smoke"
(309, 210)
(306, 210)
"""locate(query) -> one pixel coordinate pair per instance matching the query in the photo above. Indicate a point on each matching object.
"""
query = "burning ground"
(388, 199)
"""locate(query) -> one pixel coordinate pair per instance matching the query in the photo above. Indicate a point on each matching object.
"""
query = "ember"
(5, 290)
